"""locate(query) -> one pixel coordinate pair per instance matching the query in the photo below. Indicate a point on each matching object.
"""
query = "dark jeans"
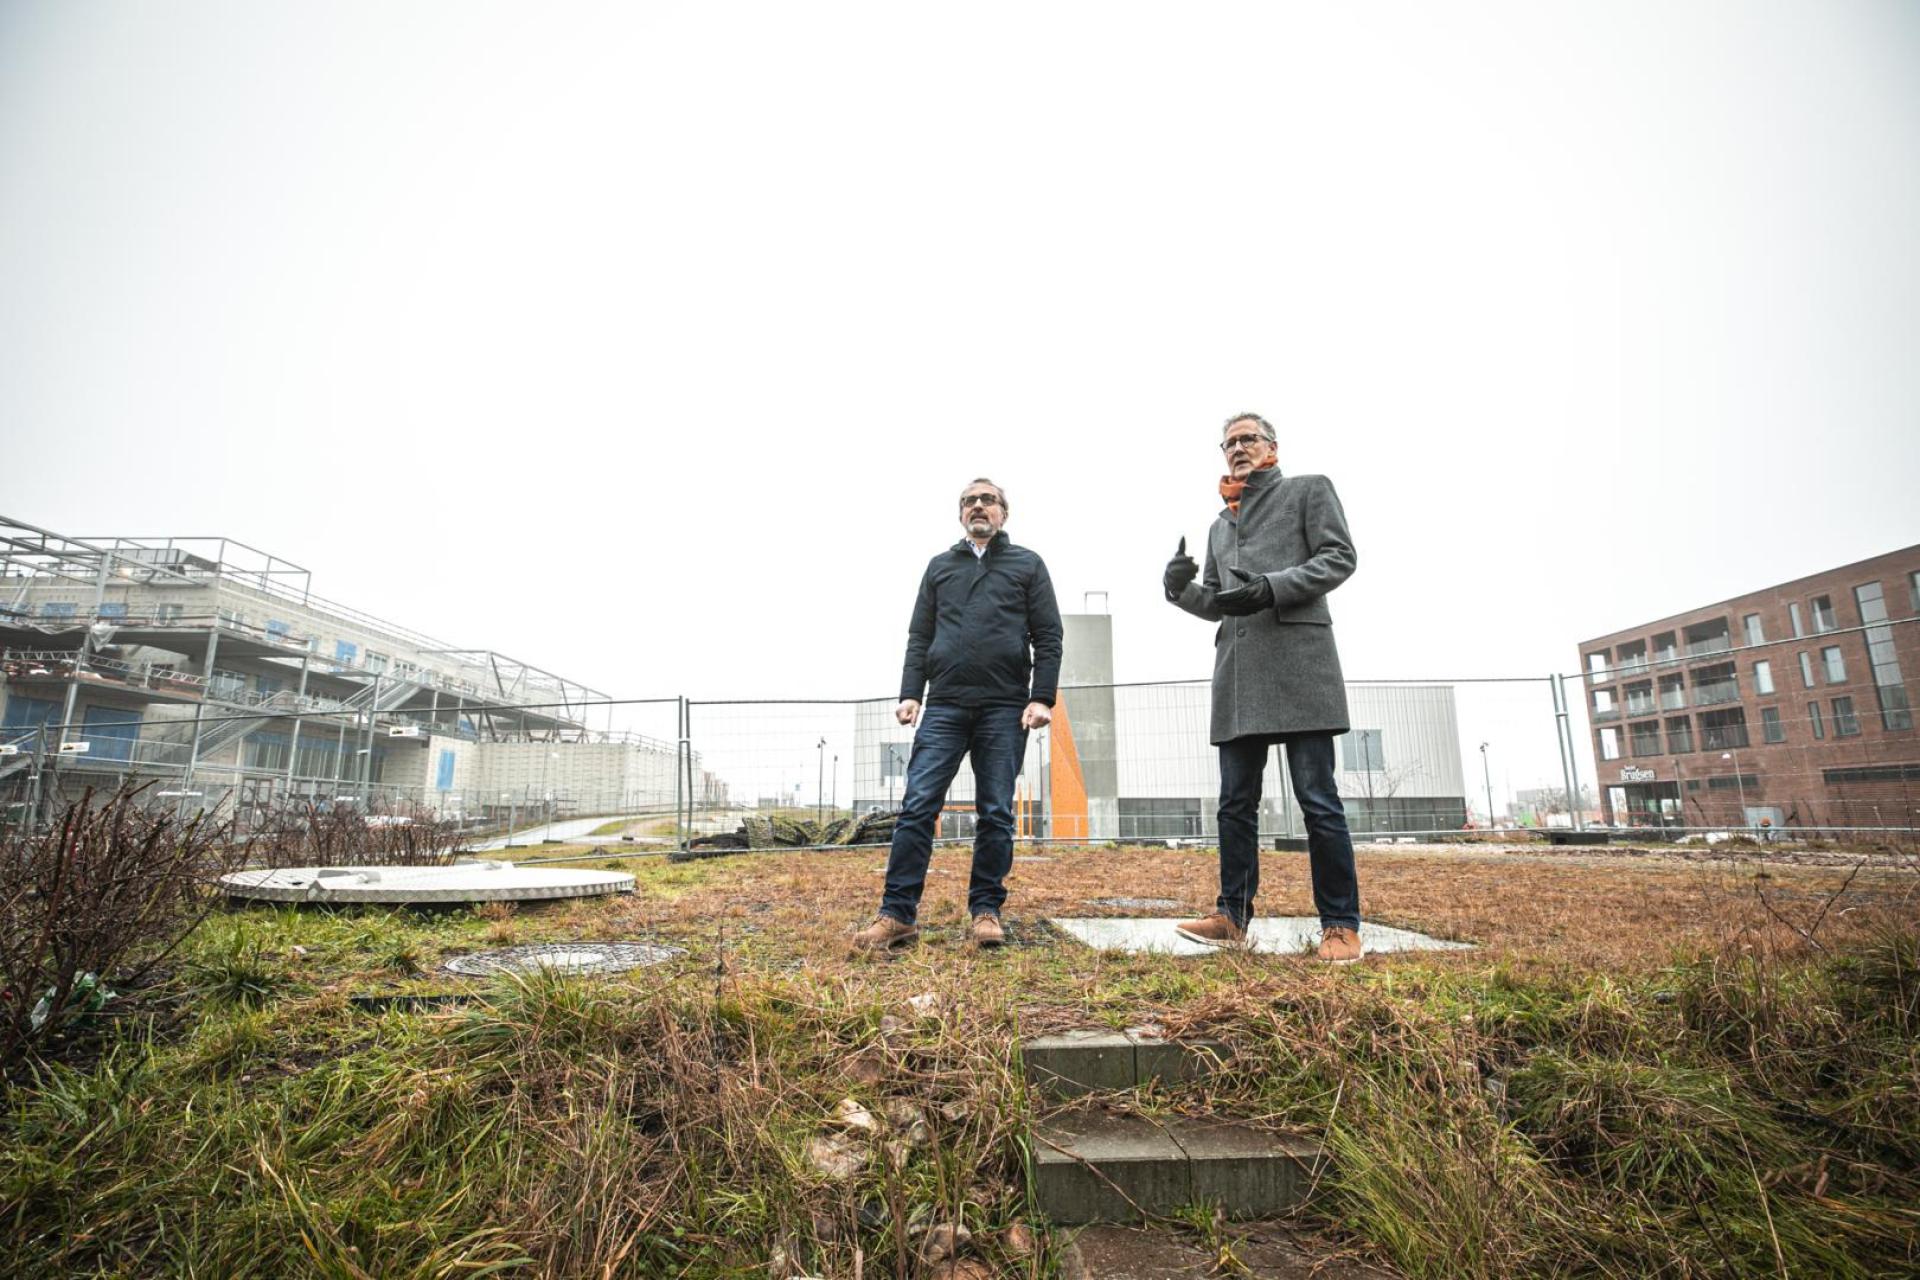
(998, 745)
(1336, 887)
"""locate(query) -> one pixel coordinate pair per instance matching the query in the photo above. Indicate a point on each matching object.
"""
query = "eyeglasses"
(979, 500)
(1242, 442)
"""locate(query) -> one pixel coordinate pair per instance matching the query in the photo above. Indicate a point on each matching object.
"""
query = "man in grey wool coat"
(1273, 554)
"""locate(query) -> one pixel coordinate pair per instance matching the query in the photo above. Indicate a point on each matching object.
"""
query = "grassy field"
(1651, 1064)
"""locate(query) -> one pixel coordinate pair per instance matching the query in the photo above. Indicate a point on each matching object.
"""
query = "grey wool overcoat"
(1277, 671)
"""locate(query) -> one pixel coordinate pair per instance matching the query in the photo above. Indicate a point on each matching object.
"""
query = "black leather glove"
(1253, 595)
(1181, 570)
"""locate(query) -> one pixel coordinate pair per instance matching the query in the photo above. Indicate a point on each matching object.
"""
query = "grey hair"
(1266, 428)
(1004, 508)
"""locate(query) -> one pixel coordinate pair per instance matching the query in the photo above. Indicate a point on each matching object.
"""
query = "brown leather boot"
(1216, 930)
(884, 934)
(987, 930)
(1340, 945)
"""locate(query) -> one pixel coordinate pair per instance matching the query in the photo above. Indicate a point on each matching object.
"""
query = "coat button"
(1239, 631)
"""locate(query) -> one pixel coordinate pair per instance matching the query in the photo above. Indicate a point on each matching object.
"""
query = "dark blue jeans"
(998, 745)
(1336, 886)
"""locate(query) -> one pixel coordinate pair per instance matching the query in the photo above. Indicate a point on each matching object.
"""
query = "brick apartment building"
(1789, 707)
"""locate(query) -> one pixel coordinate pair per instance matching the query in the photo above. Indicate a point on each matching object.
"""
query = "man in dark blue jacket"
(984, 648)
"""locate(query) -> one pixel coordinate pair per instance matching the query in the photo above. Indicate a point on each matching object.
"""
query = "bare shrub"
(96, 901)
(303, 834)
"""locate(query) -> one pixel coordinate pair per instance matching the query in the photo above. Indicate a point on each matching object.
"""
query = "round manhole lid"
(563, 958)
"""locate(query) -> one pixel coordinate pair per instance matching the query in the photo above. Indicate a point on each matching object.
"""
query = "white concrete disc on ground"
(461, 882)
(1272, 935)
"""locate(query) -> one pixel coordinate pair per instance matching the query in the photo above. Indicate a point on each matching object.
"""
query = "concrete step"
(1103, 1167)
(1072, 1063)
(1260, 1250)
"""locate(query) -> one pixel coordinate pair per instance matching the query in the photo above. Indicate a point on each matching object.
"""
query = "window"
(1874, 773)
(167, 612)
(376, 662)
(1823, 619)
(1597, 667)
(1756, 634)
(345, 652)
(1806, 671)
(1609, 744)
(112, 732)
(1793, 616)
(1604, 707)
(1631, 657)
(1895, 713)
(1664, 648)
(1913, 589)
(1673, 692)
(1763, 677)
(1360, 751)
(1771, 730)
(30, 713)
(1679, 735)
(1640, 698)
(278, 630)
(1720, 730)
(113, 611)
(1644, 738)
(57, 609)
(1835, 664)
(1845, 725)
(1813, 721)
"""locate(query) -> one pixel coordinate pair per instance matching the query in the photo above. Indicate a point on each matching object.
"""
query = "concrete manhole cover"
(563, 958)
(1135, 904)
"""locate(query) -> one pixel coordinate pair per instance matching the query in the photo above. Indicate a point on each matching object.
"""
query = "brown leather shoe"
(1216, 930)
(987, 930)
(884, 934)
(1340, 945)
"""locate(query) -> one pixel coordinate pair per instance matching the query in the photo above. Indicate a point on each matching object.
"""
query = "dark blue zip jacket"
(974, 623)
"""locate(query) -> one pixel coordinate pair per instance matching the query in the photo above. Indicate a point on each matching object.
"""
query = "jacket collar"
(997, 542)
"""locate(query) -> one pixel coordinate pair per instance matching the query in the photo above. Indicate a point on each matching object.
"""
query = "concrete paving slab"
(461, 882)
(1252, 1173)
(1083, 1061)
(1158, 1060)
(1094, 1167)
(1270, 935)
(1136, 1253)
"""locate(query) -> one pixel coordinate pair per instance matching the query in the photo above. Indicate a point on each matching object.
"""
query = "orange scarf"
(1230, 489)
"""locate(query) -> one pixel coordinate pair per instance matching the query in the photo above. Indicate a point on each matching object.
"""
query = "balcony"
(1709, 647)
(1641, 707)
(1714, 695)
(1607, 716)
(1673, 700)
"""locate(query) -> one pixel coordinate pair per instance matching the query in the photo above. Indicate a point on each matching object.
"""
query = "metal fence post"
(682, 770)
(1563, 726)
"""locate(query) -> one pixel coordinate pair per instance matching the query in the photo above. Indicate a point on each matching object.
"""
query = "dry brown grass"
(1525, 907)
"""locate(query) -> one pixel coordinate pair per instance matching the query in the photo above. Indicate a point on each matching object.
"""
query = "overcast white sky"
(652, 343)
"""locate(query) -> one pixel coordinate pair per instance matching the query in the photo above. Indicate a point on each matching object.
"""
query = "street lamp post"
(819, 785)
(1488, 776)
(835, 776)
(1740, 783)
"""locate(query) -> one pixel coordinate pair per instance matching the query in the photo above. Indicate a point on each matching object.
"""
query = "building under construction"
(211, 668)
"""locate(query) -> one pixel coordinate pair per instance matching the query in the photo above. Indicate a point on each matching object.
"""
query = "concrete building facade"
(213, 668)
(1787, 707)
